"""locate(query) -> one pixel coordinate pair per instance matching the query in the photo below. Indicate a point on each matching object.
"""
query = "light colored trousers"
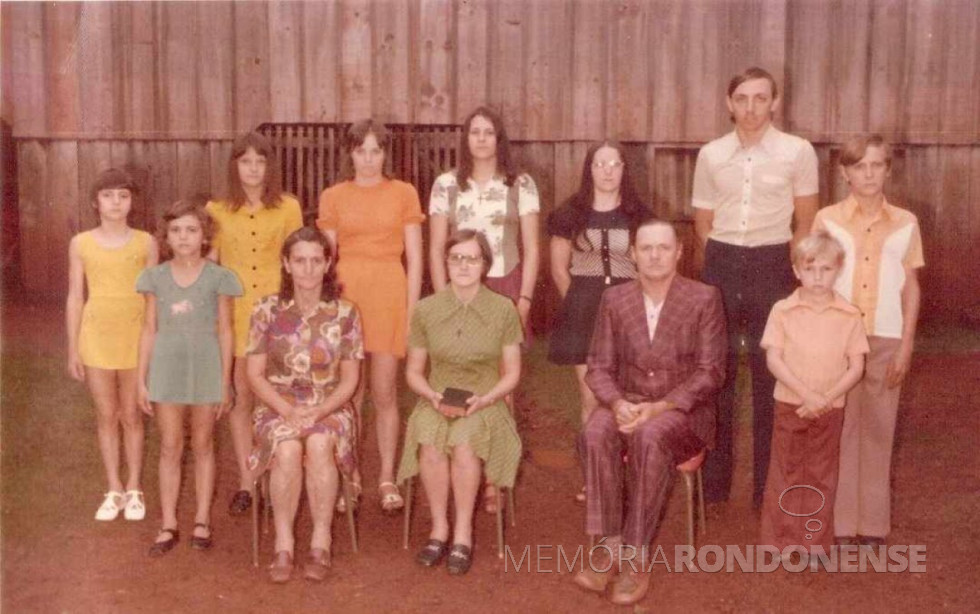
(863, 505)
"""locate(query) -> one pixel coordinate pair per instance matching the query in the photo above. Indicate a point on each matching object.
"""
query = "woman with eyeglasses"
(471, 338)
(487, 192)
(589, 253)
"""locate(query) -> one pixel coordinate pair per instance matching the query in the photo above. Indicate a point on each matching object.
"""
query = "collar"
(851, 209)
(481, 303)
(291, 306)
(793, 301)
(769, 142)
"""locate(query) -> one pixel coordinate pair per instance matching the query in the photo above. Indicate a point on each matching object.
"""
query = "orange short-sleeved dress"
(370, 225)
(249, 242)
(113, 314)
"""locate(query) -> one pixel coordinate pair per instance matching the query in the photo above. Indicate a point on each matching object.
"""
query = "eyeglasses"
(610, 164)
(461, 259)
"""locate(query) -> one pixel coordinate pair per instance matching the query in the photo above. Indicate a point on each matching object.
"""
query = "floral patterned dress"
(303, 355)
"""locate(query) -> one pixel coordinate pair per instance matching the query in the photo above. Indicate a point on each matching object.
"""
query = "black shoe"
(460, 559)
(432, 554)
(202, 543)
(161, 548)
(240, 503)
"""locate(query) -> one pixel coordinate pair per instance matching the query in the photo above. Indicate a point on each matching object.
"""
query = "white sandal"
(111, 506)
(135, 507)
(390, 502)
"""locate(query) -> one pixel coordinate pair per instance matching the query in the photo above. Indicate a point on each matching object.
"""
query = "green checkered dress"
(464, 343)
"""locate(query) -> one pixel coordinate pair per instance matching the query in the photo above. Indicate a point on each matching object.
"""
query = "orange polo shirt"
(878, 250)
(816, 342)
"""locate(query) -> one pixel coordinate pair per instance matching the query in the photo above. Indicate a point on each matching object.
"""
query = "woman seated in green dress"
(304, 357)
(472, 337)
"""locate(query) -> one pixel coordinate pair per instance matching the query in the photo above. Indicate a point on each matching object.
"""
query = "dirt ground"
(55, 558)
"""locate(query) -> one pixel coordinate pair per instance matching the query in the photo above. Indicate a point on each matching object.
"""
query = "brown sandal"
(317, 565)
(282, 567)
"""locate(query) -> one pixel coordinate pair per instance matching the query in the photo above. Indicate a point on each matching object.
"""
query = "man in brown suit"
(656, 361)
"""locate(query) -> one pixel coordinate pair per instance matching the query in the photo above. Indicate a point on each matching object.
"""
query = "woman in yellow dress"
(253, 223)
(103, 333)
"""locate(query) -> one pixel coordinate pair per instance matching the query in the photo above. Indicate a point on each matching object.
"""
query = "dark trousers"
(751, 280)
(653, 451)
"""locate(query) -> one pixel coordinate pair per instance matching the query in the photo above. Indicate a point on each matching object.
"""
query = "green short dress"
(464, 343)
(185, 366)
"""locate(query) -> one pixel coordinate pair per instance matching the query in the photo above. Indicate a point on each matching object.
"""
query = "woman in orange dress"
(253, 223)
(373, 220)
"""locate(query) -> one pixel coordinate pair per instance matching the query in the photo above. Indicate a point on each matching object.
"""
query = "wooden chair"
(500, 514)
(261, 498)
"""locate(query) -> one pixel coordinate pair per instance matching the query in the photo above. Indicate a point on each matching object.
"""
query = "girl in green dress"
(185, 360)
(471, 336)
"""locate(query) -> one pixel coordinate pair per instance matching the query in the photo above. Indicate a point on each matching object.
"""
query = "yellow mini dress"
(113, 314)
(249, 242)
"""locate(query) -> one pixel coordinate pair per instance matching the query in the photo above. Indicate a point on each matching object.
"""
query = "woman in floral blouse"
(304, 357)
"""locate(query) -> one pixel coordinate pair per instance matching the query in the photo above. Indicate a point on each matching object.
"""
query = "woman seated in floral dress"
(471, 336)
(304, 357)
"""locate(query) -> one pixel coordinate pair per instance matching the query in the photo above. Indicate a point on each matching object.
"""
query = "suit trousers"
(863, 504)
(751, 280)
(641, 482)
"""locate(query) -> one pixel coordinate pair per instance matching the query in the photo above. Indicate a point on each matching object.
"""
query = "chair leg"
(500, 526)
(702, 517)
(351, 526)
(510, 507)
(689, 483)
(408, 512)
(266, 487)
(255, 522)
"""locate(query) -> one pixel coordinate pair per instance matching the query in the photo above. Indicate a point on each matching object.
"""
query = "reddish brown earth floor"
(57, 559)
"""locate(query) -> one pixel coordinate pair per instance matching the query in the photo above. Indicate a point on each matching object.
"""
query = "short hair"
(111, 179)
(272, 193)
(354, 138)
(651, 220)
(855, 148)
(749, 74)
(818, 243)
(188, 206)
(330, 289)
(468, 234)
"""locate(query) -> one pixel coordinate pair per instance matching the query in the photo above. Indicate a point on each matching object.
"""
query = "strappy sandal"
(161, 548)
(111, 506)
(432, 554)
(135, 506)
(460, 559)
(281, 568)
(202, 543)
(390, 502)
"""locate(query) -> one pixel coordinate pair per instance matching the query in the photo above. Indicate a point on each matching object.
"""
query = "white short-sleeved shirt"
(488, 211)
(751, 189)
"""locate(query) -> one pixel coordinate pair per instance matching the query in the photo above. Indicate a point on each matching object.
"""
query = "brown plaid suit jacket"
(685, 362)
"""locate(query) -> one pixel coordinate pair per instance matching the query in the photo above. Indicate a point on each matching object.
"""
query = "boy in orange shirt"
(815, 346)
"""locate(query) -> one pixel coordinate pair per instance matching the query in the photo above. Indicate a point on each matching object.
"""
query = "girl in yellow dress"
(253, 221)
(103, 333)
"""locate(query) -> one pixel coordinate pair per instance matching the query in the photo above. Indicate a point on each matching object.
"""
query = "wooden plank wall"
(163, 86)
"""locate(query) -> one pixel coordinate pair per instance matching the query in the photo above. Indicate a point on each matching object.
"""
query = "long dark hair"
(272, 194)
(354, 138)
(579, 206)
(505, 163)
(330, 289)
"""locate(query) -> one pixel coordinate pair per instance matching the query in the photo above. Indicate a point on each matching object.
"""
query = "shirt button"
(649, 373)
(253, 233)
(253, 268)
(255, 286)
(251, 217)
(253, 250)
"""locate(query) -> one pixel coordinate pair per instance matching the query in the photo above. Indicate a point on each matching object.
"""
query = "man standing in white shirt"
(755, 191)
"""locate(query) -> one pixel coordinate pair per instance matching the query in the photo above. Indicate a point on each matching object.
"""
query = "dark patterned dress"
(303, 355)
